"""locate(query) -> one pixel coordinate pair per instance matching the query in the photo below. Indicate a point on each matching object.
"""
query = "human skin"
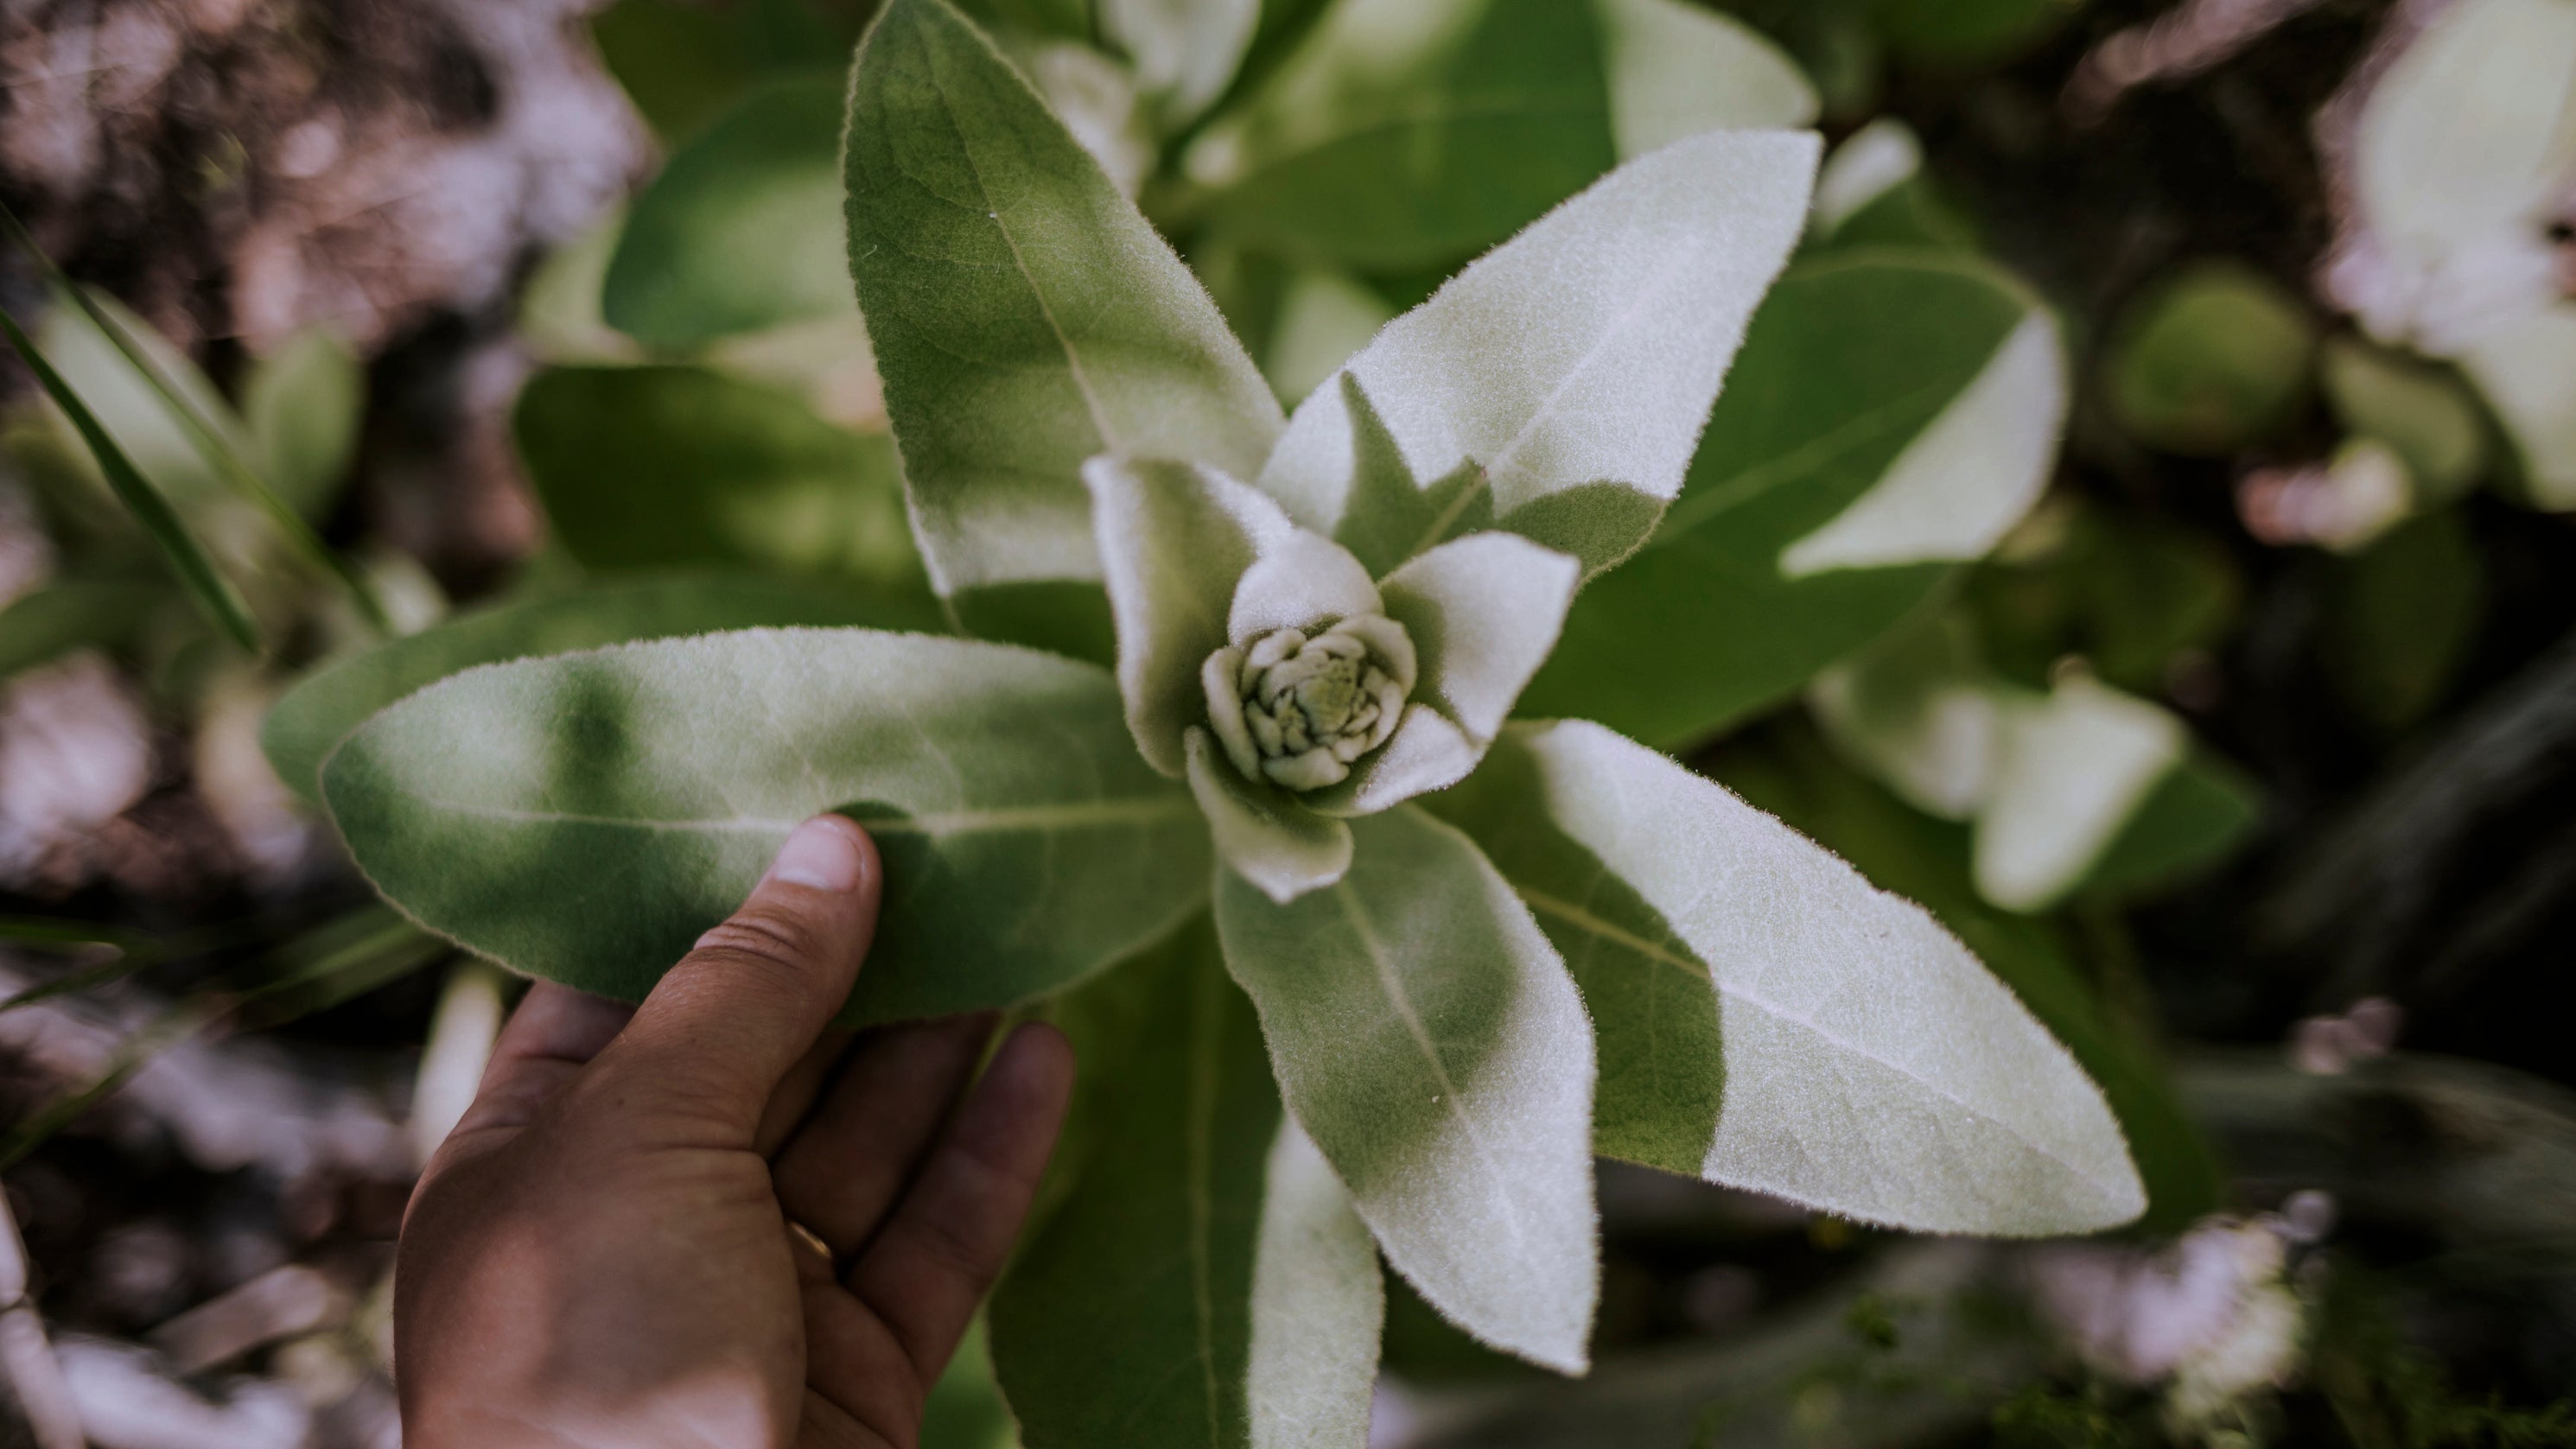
(714, 1219)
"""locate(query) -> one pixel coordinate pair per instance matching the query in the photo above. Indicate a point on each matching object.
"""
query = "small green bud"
(1296, 709)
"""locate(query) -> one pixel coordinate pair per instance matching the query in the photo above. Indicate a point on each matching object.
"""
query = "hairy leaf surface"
(1925, 860)
(1583, 352)
(1174, 540)
(1160, 1224)
(1245, 1294)
(1426, 1037)
(337, 696)
(1865, 1062)
(1025, 316)
(585, 817)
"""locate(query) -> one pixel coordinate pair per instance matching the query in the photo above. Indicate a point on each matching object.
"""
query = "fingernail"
(820, 854)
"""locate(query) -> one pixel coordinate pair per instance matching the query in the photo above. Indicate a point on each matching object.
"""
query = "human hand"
(606, 1251)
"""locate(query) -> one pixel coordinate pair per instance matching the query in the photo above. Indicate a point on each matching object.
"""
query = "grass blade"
(218, 452)
(213, 592)
(60, 931)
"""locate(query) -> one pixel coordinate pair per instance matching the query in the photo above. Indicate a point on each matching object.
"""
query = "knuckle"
(770, 933)
(956, 1248)
(762, 947)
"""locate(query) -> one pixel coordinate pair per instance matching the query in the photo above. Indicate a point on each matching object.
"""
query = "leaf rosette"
(1297, 709)
(1298, 810)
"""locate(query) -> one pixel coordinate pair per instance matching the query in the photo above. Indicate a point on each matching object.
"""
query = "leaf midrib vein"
(1610, 332)
(1043, 818)
(1397, 997)
(1019, 262)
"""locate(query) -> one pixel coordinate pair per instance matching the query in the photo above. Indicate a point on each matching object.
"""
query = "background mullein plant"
(1361, 959)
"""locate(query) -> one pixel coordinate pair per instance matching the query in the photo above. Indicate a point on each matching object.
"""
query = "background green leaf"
(214, 594)
(1404, 135)
(2083, 787)
(302, 407)
(2198, 810)
(585, 817)
(657, 467)
(66, 614)
(1184, 51)
(1852, 374)
(2402, 616)
(2209, 360)
(682, 63)
(741, 231)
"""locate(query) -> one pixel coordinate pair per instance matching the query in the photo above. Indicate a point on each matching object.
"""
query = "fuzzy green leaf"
(1318, 1305)
(1427, 1038)
(1483, 611)
(1026, 317)
(585, 817)
(1247, 1292)
(1773, 1022)
(1927, 861)
(1262, 832)
(762, 182)
(1174, 539)
(671, 467)
(1175, 1117)
(1892, 413)
(1583, 352)
(335, 698)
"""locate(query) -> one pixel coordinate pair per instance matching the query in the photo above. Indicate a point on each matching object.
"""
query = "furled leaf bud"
(1295, 707)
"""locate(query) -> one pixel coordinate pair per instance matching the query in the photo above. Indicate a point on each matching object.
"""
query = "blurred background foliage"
(2226, 706)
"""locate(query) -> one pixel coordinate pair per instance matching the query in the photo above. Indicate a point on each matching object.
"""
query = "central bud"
(1295, 707)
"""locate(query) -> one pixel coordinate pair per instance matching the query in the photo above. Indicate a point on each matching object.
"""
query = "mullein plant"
(1362, 966)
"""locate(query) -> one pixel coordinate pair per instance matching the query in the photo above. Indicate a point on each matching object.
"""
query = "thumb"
(718, 1034)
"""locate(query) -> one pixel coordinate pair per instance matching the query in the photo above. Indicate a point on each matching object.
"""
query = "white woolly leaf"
(1427, 1038)
(1769, 1020)
(1585, 351)
(1173, 539)
(1262, 832)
